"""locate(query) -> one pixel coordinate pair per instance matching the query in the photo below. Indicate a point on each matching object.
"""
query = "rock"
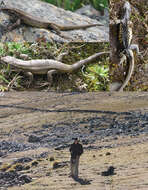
(19, 167)
(8, 179)
(43, 155)
(108, 153)
(51, 158)
(48, 174)
(85, 141)
(60, 147)
(91, 12)
(114, 86)
(25, 179)
(59, 165)
(34, 139)
(27, 167)
(12, 146)
(23, 160)
(2, 154)
(109, 172)
(34, 163)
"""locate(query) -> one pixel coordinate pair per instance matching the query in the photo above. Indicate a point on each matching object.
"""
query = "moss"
(16, 167)
(4, 167)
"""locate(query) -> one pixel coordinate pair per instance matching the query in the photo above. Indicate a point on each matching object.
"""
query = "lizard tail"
(130, 71)
(66, 28)
(79, 64)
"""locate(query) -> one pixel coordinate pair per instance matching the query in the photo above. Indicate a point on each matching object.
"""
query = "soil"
(36, 129)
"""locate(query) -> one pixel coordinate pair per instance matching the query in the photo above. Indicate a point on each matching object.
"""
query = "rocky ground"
(36, 129)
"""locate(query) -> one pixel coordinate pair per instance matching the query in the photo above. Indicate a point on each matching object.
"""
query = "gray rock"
(109, 172)
(34, 139)
(92, 13)
(59, 165)
(114, 86)
(25, 178)
(23, 160)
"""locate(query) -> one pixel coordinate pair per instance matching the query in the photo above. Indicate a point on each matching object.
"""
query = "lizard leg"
(30, 75)
(60, 57)
(14, 25)
(136, 48)
(49, 76)
(122, 59)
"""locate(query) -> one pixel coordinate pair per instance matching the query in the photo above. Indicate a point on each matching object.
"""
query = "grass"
(76, 4)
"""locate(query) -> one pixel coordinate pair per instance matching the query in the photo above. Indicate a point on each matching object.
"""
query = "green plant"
(1, 49)
(97, 77)
(76, 4)
(99, 4)
(14, 47)
(66, 4)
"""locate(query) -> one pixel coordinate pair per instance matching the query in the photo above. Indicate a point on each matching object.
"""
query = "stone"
(109, 172)
(59, 165)
(51, 158)
(33, 139)
(34, 163)
(23, 160)
(25, 178)
(108, 153)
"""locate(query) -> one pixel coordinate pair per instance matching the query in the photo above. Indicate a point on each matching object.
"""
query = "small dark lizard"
(34, 21)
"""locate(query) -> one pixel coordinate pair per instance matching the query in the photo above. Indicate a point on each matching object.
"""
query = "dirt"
(39, 125)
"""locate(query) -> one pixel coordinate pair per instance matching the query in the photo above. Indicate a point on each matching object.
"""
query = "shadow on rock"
(83, 181)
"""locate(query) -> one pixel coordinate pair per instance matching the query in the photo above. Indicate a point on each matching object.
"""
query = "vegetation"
(76, 4)
(91, 78)
(97, 77)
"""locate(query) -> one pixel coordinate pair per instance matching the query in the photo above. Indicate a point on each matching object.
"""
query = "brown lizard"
(34, 21)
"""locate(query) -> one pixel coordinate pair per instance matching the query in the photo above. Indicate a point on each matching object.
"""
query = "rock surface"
(8, 179)
(52, 14)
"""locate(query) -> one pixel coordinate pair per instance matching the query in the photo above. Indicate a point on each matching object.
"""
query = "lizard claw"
(122, 59)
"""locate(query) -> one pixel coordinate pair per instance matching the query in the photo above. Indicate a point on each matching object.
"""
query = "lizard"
(47, 66)
(34, 21)
(125, 38)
